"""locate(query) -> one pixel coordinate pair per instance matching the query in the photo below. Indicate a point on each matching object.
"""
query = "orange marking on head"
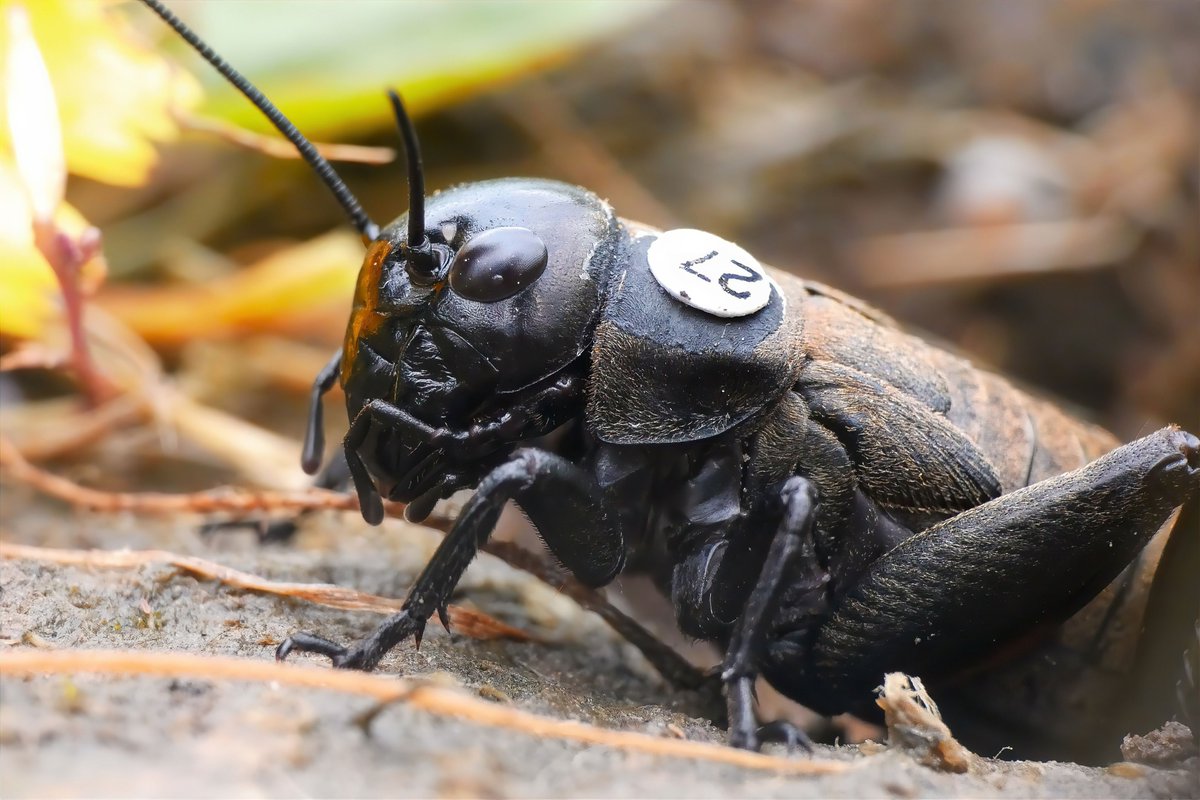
(366, 300)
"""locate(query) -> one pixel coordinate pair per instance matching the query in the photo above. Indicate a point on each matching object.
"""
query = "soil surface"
(97, 736)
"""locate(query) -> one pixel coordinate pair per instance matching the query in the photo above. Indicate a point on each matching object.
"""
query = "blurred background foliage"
(1018, 179)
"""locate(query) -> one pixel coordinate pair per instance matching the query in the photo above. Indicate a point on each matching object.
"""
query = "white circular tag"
(706, 272)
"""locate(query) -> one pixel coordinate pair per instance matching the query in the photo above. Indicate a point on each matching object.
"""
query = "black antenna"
(325, 172)
(422, 261)
(416, 175)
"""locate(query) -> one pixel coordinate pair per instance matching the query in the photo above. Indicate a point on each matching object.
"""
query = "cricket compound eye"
(497, 263)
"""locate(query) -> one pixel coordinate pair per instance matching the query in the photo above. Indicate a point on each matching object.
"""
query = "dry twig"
(207, 502)
(678, 671)
(474, 624)
(991, 253)
(436, 700)
(76, 427)
(277, 147)
(672, 666)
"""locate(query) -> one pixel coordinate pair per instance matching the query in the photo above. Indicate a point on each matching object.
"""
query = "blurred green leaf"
(326, 64)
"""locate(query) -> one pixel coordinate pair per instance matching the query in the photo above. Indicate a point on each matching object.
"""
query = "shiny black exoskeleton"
(820, 494)
(823, 514)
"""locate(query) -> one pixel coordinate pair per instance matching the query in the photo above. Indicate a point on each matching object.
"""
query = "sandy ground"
(95, 736)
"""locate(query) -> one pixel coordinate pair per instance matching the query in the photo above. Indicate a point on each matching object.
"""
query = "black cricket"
(822, 495)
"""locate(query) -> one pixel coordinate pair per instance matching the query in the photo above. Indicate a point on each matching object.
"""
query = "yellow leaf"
(283, 291)
(115, 97)
(36, 135)
(28, 288)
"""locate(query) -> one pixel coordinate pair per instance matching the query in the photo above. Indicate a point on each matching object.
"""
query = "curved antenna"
(325, 172)
(421, 256)
(416, 174)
